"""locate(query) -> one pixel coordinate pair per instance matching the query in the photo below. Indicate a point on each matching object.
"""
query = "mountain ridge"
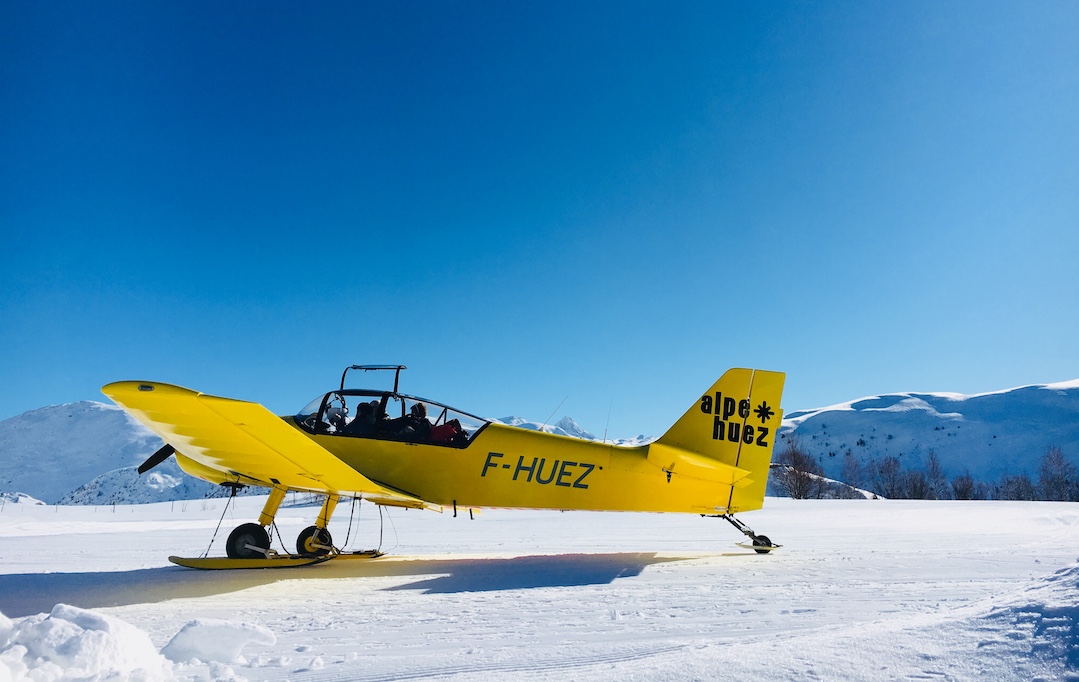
(87, 452)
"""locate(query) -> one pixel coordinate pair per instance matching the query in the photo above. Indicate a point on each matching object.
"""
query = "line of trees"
(798, 474)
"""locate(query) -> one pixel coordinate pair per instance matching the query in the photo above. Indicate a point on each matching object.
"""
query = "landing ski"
(273, 561)
(759, 549)
(279, 561)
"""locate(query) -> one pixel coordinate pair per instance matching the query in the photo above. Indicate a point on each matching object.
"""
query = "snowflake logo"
(764, 412)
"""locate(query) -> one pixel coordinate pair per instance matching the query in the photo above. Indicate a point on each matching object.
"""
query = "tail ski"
(727, 436)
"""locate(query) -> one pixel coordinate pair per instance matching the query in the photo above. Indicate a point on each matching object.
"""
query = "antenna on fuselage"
(370, 368)
(608, 424)
(552, 413)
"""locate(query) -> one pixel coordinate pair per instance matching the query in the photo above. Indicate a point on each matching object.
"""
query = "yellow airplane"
(402, 451)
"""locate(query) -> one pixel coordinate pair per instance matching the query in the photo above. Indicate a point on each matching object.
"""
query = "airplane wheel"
(311, 536)
(761, 541)
(247, 534)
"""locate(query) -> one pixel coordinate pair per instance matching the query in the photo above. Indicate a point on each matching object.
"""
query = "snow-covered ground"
(860, 590)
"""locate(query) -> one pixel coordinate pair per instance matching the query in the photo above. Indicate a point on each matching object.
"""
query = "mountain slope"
(87, 453)
(46, 452)
(987, 435)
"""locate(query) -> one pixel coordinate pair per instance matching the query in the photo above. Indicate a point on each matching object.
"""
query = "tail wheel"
(314, 541)
(246, 542)
(762, 541)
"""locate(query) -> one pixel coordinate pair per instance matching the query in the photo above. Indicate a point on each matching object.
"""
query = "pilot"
(337, 417)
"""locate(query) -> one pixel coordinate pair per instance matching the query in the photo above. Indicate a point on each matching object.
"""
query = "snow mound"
(214, 640)
(1039, 626)
(76, 644)
(72, 644)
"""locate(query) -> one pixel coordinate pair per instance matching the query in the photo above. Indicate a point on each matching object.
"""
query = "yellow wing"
(224, 440)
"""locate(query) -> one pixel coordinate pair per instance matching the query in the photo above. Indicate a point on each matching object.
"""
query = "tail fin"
(734, 424)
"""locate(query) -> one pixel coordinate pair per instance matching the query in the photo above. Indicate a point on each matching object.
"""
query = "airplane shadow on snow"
(27, 594)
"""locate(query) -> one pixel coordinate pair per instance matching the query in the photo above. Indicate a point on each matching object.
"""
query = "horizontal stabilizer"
(684, 463)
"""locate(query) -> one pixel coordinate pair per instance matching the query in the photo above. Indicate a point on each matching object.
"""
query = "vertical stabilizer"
(735, 423)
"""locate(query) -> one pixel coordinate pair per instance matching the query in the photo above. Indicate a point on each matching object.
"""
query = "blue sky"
(602, 203)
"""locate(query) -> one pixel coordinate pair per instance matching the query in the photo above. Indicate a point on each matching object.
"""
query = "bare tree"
(888, 477)
(938, 482)
(963, 487)
(916, 485)
(797, 473)
(853, 471)
(1016, 488)
(1057, 477)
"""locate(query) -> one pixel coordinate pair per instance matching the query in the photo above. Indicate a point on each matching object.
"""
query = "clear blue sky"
(613, 202)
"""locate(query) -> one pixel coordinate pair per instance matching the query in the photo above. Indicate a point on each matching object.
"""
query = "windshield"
(389, 416)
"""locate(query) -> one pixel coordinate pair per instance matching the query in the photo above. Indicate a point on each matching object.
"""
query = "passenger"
(414, 428)
(364, 423)
(449, 433)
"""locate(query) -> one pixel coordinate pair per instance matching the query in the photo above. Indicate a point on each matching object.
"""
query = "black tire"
(247, 534)
(761, 541)
(313, 535)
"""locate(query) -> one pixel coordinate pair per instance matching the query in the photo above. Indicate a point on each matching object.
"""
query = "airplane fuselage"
(510, 467)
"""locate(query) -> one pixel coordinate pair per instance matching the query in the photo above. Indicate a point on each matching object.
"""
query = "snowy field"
(860, 590)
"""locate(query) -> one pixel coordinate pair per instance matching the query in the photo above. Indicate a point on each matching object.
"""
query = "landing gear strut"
(316, 540)
(252, 540)
(761, 543)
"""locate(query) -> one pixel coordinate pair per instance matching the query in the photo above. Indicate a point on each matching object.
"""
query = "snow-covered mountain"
(565, 427)
(987, 435)
(87, 453)
(164, 483)
(568, 427)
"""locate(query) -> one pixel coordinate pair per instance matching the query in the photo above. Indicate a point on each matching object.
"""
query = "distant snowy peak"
(572, 428)
(568, 427)
(564, 427)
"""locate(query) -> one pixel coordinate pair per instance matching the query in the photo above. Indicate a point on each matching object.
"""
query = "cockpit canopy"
(387, 415)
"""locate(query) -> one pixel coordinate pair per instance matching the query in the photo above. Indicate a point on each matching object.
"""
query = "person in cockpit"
(364, 422)
(413, 427)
